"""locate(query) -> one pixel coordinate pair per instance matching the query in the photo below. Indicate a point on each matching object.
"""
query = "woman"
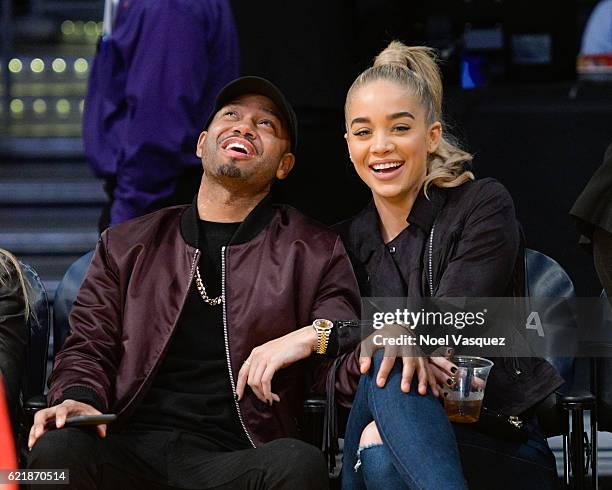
(14, 312)
(431, 230)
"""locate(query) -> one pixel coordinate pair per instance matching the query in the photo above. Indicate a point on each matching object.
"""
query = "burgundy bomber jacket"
(281, 270)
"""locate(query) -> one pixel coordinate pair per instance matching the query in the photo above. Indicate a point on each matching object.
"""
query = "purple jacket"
(151, 89)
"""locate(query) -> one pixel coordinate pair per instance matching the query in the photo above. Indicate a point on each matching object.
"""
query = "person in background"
(14, 312)
(592, 213)
(597, 37)
(158, 67)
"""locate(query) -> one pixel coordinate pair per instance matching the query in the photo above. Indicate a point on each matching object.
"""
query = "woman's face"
(389, 139)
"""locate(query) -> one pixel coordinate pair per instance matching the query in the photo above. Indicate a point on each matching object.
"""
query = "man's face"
(246, 143)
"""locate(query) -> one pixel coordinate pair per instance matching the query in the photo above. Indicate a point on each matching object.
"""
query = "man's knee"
(63, 448)
(303, 463)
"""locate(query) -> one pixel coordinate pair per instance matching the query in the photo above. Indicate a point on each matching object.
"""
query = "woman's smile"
(386, 169)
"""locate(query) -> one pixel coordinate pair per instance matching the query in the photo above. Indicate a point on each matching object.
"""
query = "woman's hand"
(259, 368)
(420, 365)
(443, 370)
(393, 338)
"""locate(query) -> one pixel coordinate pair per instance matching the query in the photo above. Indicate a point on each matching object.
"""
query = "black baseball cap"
(258, 86)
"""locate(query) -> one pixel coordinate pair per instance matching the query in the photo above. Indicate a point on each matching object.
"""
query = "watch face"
(322, 324)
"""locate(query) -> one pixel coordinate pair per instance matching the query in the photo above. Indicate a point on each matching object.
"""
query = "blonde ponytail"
(416, 68)
(423, 62)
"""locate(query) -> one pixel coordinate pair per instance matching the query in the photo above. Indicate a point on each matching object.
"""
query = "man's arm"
(337, 299)
(85, 368)
(83, 376)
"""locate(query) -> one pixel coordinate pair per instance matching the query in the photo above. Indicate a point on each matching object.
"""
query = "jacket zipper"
(191, 274)
(516, 370)
(227, 351)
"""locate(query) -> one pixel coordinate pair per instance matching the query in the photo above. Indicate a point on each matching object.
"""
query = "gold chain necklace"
(202, 290)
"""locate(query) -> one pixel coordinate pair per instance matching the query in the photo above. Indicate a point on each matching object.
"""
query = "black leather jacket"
(476, 252)
(13, 339)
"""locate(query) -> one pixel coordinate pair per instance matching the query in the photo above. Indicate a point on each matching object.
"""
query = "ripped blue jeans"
(416, 433)
(423, 450)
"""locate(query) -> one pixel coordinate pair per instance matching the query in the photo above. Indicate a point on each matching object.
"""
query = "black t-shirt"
(191, 390)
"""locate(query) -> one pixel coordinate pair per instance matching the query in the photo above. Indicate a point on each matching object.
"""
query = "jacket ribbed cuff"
(82, 394)
(345, 336)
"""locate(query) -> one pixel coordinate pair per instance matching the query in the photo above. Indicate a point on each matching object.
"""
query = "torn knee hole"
(364, 448)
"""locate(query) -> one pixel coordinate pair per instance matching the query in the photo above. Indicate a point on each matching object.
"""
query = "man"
(159, 65)
(193, 324)
(592, 214)
(597, 36)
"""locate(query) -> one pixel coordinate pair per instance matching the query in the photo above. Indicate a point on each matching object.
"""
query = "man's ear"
(285, 166)
(200, 145)
(434, 136)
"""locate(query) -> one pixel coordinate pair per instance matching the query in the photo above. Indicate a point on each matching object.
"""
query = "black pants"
(172, 459)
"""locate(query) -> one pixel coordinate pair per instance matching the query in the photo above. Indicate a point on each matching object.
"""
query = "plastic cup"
(464, 398)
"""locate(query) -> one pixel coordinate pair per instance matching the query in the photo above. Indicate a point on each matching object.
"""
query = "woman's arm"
(486, 254)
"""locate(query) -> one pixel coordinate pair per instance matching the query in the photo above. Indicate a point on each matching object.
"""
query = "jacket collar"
(424, 211)
(255, 222)
(365, 232)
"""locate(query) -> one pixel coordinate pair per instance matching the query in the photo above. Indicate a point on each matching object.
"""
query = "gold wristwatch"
(323, 329)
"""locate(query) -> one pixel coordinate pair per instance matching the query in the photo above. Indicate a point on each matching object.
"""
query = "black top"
(476, 252)
(192, 391)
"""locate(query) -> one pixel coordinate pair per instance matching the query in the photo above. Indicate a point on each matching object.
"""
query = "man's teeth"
(384, 166)
(237, 147)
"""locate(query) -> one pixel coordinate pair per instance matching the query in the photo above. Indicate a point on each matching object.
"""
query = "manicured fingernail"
(453, 370)
(381, 381)
(449, 382)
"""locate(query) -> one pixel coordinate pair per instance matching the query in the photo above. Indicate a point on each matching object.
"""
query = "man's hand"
(258, 370)
(59, 413)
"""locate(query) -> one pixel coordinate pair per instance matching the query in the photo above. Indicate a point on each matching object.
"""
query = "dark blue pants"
(423, 450)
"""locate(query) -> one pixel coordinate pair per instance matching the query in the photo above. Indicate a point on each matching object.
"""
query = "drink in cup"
(464, 398)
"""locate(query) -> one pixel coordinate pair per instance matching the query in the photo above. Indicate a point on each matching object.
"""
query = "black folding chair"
(562, 413)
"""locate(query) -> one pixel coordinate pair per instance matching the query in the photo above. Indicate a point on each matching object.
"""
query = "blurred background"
(513, 96)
